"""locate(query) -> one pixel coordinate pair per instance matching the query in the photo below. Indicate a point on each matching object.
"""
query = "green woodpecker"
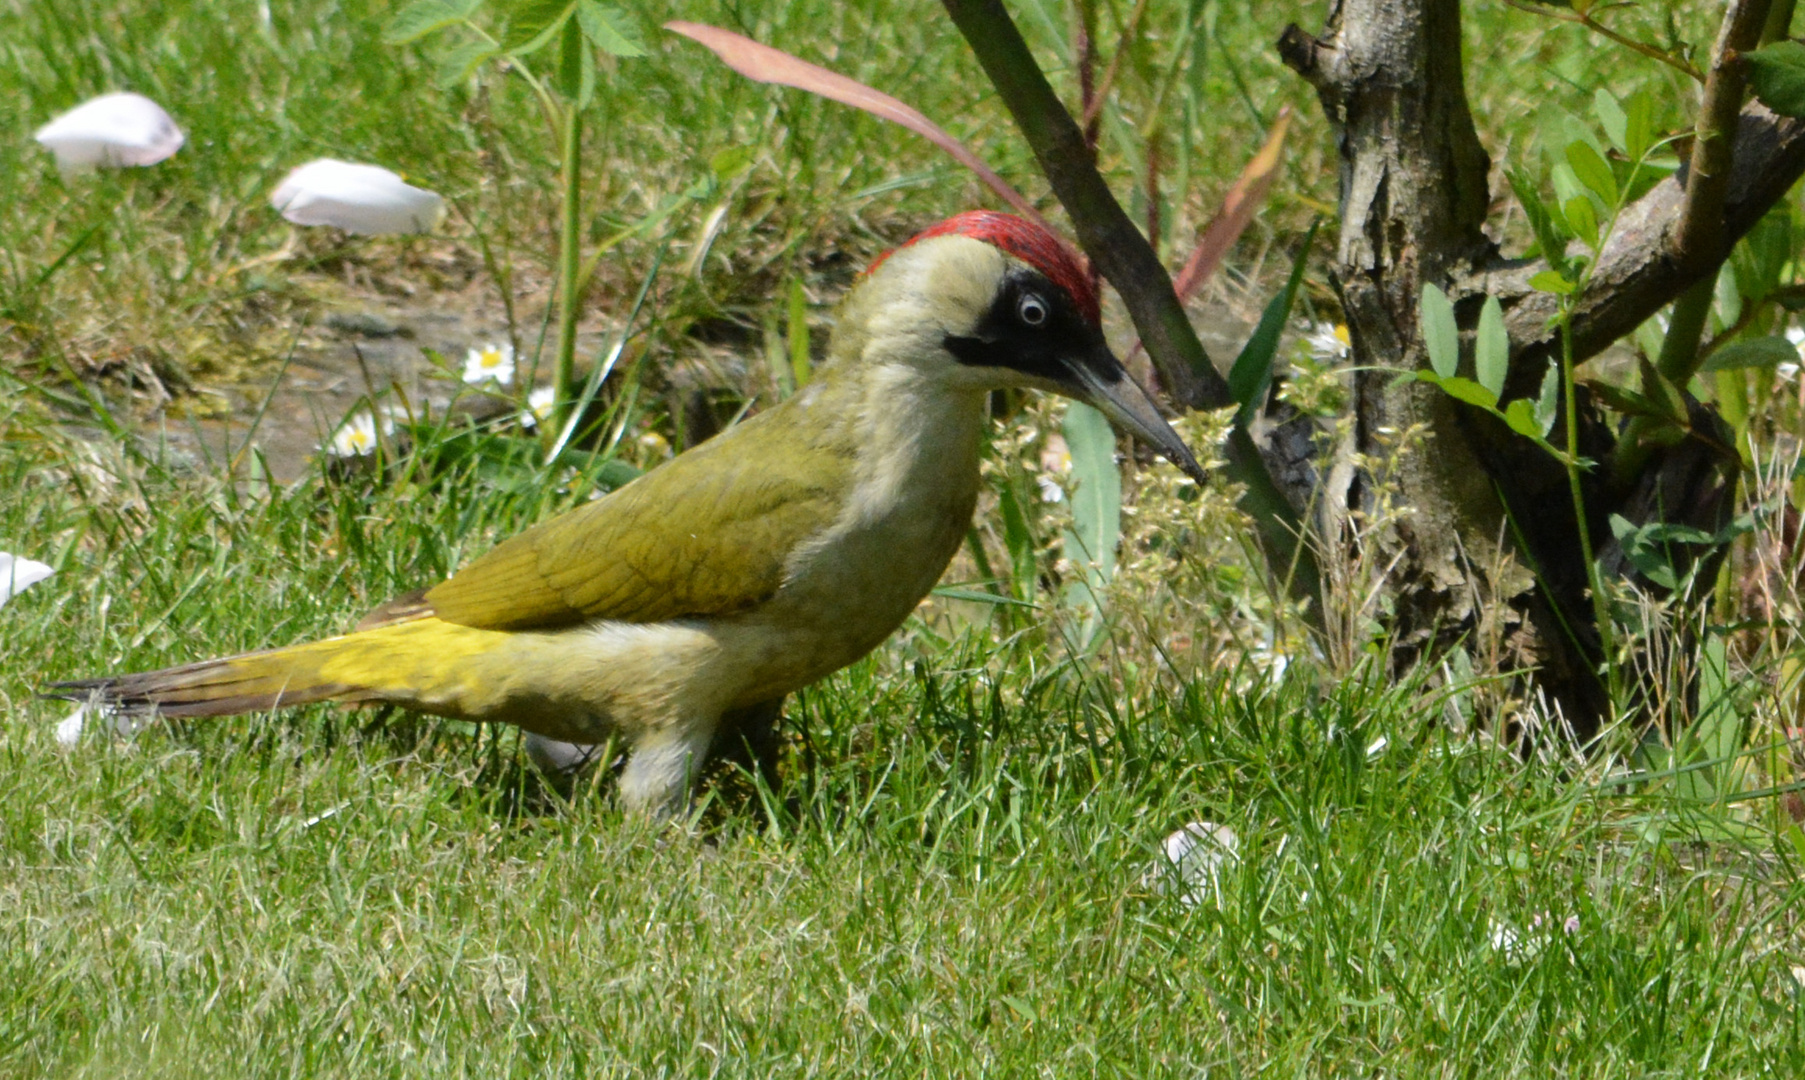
(699, 595)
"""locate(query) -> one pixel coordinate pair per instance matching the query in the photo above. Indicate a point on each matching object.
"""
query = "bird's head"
(986, 301)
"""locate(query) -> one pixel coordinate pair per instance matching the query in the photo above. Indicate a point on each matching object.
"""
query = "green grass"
(953, 878)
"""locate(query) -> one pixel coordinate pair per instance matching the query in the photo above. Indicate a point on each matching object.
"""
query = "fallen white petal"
(365, 199)
(18, 574)
(113, 129)
(1194, 859)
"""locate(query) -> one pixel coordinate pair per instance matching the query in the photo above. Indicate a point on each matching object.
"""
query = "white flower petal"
(113, 129)
(357, 435)
(538, 406)
(365, 199)
(1194, 859)
(491, 362)
(18, 573)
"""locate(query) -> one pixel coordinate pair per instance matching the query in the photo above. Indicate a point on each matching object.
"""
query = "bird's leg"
(748, 738)
(664, 765)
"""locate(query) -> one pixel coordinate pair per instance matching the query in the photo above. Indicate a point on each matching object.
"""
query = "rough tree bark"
(1491, 543)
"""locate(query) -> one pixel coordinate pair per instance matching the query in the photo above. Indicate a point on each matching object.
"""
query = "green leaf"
(1096, 509)
(1521, 416)
(1659, 390)
(1639, 131)
(1441, 337)
(1548, 238)
(1582, 219)
(1777, 72)
(1461, 389)
(532, 24)
(422, 17)
(731, 162)
(1548, 402)
(1491, 349)
(1613, 119)
(576, 66)
(608, 30)
(1552, 281)
(1647, 557)
(1752, 352)
(1252, 371)
(1593, 171)
(457, 64)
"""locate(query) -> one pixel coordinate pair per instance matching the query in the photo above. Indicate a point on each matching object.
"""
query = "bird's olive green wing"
(707, 534)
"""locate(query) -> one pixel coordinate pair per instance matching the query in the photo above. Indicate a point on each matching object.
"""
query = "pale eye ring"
(1031, 309)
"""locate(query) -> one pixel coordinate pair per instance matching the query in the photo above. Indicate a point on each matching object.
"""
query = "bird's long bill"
(1128, 406)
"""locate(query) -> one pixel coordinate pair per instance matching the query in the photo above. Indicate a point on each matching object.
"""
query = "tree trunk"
(1487, 543)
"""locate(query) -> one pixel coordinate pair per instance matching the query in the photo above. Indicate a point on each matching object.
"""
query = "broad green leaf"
(1728, 297)
(1548, 402)
(1441, 337)
(1551, 281)
(1752, 352)
(457, 64)
(1648, 558)
(1639, 130)
(1521, 416)
(1777, 72)
(1491, 348)
(533, 24)
(1462, 389)
(608, 30)
(1096, 509)
(1613, 119)
(1582, 219)
(1593, 171)
(576, 65)
(1252, 371)
(422, 17)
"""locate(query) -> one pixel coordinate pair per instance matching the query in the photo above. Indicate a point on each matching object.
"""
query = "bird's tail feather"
(410, 662)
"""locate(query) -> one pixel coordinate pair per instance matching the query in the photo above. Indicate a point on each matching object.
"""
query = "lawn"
(961, 871)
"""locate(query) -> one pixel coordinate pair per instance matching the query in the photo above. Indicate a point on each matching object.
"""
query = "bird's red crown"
(1025, 240)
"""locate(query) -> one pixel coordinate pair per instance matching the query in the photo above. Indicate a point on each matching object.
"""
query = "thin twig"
(1651, 51)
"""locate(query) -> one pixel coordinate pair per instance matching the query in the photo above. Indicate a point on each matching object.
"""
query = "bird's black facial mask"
(1034, 328)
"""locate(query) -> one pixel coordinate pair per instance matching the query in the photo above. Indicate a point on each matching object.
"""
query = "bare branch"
(1636, 274)
(1698, 243)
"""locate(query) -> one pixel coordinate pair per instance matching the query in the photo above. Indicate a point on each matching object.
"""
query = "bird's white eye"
(1031, 310)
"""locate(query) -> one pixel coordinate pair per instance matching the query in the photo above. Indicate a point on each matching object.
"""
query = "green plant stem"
(1601, 608)
(1126, 258)
(570, 266)
(1677, 363)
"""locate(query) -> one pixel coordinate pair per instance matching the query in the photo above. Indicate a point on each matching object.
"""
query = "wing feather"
(706, 534)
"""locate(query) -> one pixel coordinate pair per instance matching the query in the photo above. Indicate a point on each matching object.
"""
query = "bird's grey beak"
(1130, 408)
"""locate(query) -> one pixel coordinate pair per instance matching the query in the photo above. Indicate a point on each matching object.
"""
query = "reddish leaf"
(762, 63)
(1238, 207)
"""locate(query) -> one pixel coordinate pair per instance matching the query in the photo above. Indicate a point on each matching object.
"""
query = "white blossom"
(365, 199)
(538, 406)
(1330, 342)
(18, 573)
(492, 362)
(111, 130)
(357, 435)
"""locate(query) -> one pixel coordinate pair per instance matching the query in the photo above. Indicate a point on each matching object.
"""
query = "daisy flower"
(1330, 342)
(491, 362)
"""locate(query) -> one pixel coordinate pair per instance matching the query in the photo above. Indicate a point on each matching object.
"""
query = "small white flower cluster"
(117, 130)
